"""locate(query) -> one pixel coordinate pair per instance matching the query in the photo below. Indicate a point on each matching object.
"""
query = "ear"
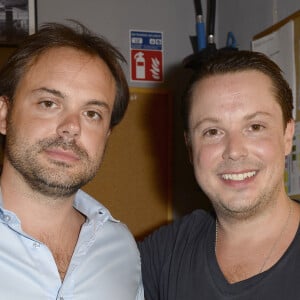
(108, 133)
(288, 136)
(187, 140)
(3, 114)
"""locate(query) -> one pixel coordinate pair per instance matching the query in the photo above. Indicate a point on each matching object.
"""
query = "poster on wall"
(292, 165)
(279, 45)
(146, 56)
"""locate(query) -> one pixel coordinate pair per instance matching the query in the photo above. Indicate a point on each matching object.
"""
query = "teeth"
(238, 177)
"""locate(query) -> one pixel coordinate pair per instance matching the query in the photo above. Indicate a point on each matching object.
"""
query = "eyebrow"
(212, 120)
(217, 120)
(63, 96)
(258, 113)
(50, 91)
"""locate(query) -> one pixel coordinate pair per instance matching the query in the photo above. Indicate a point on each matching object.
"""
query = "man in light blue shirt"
(61, 93)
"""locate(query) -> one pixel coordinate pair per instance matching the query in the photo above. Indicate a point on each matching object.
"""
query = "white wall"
(247, 18)
(114, 19)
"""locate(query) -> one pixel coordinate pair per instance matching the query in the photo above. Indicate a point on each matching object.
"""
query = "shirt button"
(36, 245)
(6, 218)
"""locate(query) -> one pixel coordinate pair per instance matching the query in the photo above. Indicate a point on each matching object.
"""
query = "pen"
(200, 26)
(211, 22)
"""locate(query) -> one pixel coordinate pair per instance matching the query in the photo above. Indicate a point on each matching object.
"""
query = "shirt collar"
(84, 203)
(90, 207)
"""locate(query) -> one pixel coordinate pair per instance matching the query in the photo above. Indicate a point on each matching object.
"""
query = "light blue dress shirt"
(105, 264)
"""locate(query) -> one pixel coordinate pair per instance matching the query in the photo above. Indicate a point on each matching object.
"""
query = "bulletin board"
(134, 180)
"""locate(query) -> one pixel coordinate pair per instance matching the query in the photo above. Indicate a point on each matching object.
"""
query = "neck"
(52, 221)
(29, 205)
(253, 247)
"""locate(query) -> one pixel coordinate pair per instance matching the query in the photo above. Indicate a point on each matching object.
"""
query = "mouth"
(60, 152)
(238, 176)
(62, 155)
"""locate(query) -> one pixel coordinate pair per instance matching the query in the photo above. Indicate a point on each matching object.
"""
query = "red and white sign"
(146, 65)
(146, 56)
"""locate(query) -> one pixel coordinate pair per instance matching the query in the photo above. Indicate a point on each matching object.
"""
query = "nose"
(235, 147)
(69, 127)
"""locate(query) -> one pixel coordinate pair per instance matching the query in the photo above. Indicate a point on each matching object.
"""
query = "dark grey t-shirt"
(179, 263)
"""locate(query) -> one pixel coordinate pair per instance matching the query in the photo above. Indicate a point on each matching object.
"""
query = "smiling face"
(59, 122)
(238, 142)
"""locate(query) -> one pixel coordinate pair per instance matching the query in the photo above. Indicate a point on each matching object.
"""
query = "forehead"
(249, 83)
(242, 92)
(58, 58)
(66, 67)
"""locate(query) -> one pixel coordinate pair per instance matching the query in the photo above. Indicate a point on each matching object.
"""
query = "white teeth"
(238, 177)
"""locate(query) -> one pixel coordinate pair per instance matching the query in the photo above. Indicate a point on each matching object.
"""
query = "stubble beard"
(51, 180)
(243, 208)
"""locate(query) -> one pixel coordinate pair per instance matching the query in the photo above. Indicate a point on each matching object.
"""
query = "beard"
(54, 179)
(241, 206)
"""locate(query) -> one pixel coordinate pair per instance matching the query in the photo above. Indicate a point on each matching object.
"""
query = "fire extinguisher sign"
(146, 56)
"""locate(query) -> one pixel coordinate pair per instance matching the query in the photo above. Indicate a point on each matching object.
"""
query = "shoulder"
(195, 221)
(169, 246)
(184, 229)
(198, 220)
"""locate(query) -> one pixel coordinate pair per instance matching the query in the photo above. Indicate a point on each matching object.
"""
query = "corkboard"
(134, 179)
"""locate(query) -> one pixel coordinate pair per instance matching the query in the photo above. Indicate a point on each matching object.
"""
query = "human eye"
(256, 127)
(211, 132)
(93, 115)
(47, 104)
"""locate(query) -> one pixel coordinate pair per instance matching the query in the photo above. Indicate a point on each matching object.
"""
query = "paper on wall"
(279, 46)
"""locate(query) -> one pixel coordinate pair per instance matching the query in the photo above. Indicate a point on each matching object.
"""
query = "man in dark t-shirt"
(237, 113)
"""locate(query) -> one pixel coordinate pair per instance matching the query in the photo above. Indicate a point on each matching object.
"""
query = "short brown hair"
(237, 61)
(52, 35)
